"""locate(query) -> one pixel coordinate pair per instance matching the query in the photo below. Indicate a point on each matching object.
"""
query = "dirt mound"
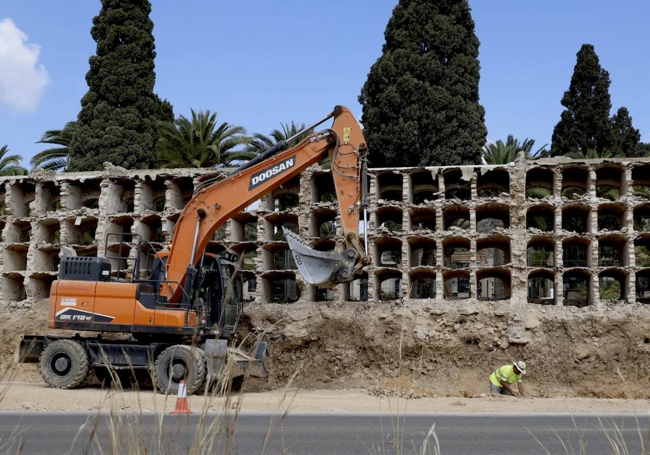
(439, 350)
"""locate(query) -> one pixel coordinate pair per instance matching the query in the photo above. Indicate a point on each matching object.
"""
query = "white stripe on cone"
(182, 390)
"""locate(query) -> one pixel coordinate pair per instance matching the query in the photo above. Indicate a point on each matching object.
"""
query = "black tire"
(64, 364)
(178, 363)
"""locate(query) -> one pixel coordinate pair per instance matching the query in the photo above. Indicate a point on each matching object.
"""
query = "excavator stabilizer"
(321, 268)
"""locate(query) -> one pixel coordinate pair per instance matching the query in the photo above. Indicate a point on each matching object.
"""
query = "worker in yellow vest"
(502, 379)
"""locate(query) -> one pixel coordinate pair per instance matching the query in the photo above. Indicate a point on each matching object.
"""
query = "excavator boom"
(214, 203)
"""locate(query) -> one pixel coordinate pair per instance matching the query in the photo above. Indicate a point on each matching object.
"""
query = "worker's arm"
(520, 384)
(506, 386)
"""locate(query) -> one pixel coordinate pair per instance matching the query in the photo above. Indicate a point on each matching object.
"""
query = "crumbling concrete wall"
(549, 232)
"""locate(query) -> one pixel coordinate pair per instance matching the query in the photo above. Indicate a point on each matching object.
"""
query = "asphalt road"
(59, 433)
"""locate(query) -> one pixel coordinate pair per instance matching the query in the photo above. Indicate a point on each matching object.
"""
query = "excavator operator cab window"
(232, 302)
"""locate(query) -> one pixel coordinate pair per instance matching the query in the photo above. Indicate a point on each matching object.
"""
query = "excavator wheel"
(64, 364)
(180, 362)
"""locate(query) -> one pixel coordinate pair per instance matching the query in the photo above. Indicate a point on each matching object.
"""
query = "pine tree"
(626, 137)
(585, 123)
(421, 100)
(117, 121)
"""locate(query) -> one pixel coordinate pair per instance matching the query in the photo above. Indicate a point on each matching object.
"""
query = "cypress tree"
(625, 136)
(117, 121)
(585, 123)
(421, 100)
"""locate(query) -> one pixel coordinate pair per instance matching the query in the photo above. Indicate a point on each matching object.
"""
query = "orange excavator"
(181, 306)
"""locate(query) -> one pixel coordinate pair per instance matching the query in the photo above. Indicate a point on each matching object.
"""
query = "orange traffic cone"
(182, 404)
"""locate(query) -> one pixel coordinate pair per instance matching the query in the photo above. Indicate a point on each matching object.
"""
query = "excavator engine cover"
(85, 269)
(321, 268)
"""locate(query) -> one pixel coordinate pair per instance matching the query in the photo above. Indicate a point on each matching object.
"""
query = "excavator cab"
(218, 294)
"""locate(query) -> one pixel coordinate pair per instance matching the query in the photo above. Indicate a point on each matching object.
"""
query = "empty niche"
(46, 259)
(277, 257)
(49, 198)
(19, 231)
(456, 285)
(171, 224)
(541, 217)
(493, 251)
(13, 287)
(422, 252)
(389, 220)
(15, 257)
(152, 194)
(286, 196)
(150, 229)
(541, 287)
(3, 201)
(612, 251)
(641, 217)
(423, 219)
(641, 181)
(249, 286)
(121, 194)
(357, 289)
(280, 287)
(492, 216)
(456, 187)
(611, 217)
(643, 286)
(539, 183)
(575, 181)
(85, 250)
(322, 223)
(243, 227)
(388, 252)
(610, 181)
(642, 251)
(79, 231)
(613, 285)
(577, 288)
(181, 190)
(493, 284)
(576, 218)
(390, 187)
(319, 294)
(456, 252)
(422, 284)
(389, 284)
(456, 216)
(119, 254)
(40, 284)
(424, 188)
(322, 188)
(119, 229)
(84, 193)
(493, 183)
(540, 252)
(274, 223)
(22, 193)
(576, 252)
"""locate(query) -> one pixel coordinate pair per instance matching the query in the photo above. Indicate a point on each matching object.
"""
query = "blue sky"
(262, 63)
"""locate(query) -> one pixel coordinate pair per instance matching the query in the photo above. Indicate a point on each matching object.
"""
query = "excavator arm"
(217, 201)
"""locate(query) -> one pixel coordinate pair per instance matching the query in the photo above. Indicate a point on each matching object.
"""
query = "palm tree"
(260, 143)
(506, 152)
(55, 159)
(10, 164)
(200, 142)
(593, 154)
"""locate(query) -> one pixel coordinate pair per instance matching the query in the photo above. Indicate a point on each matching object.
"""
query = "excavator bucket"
(321, 268)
